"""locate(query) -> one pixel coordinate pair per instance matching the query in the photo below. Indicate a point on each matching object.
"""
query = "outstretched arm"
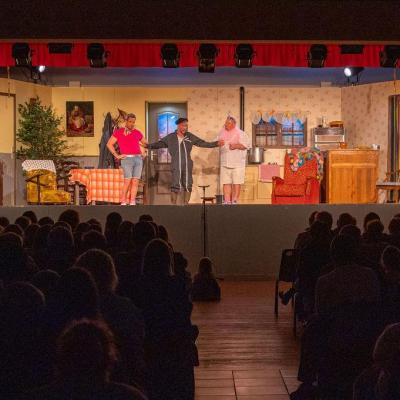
(161, 144)
(202, 143)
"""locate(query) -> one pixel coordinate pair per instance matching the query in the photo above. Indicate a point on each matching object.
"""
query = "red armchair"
(297, 187)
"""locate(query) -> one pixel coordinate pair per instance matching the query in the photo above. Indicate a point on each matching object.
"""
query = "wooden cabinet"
(254, 191)
(351, 176)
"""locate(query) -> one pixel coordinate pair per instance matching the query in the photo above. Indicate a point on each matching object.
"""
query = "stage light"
(97, 55)
(22, 54)
(170, 55)
(36, 72)
(207, 54)
(60, 48)
(353, 72)
(351, 48)
(389, 56)
(244, 55)
(317, 55)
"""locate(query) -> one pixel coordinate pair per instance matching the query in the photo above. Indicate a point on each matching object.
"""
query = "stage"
(244, 241)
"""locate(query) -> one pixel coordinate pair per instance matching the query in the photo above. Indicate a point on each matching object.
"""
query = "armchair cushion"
(290, 190)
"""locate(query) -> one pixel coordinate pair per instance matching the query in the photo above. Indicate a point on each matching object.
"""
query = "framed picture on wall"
(80, 118)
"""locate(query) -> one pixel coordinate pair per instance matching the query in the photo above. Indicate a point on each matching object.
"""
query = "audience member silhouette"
(86, 355)
(205, 286)
(60, 249)
(381, 380)
(170, 349)
(123, 317)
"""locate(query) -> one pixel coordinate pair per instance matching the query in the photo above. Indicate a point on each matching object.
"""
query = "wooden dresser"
(351, 176)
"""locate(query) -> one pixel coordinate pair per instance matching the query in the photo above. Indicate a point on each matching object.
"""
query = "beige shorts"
(233, 176)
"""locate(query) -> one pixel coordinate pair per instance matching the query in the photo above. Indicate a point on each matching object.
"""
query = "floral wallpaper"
(209, 106)
(365, 114)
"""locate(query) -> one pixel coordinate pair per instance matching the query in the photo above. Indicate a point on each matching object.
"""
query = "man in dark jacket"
(179, 144)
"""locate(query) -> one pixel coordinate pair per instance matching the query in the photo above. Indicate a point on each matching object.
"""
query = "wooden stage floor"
(245, 354)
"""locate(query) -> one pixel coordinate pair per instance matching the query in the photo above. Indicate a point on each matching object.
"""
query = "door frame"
(13, 153)
(147, 105)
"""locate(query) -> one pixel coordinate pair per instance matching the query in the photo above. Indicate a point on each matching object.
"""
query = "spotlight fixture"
(351, 48)
(389, 56)
(353, 74)
(36, 72)
(317, 55)
(207, 54)
(22, 54)
(60, 48)
(244, 55)
(170, 55)
(97, 55)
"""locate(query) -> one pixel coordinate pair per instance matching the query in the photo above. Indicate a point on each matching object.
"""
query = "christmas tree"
(39, 133)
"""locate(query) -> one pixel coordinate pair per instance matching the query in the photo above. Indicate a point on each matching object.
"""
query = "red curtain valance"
(148, 55)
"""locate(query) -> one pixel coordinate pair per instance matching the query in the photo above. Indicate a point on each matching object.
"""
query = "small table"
(390, 186)
(101, 184)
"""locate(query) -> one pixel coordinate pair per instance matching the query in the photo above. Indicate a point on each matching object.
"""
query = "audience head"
(95, 224)
(31, 215)
(40, 244)
(75, 297)
(343, 249)
(23, 222)
(71, 217)
(351, 230)
(14, 228)
(386, 357)
(146, 218)
(325, 217)
(205, 267)
(390, 260)
(113, 222)
(345, 219)
(125, 235)
(93, 240)
(163, 233)
(86, 353)
(46, 281)
(311, 218)
(143, 233)
(63, 224)
(180, 263)
(12, 258)
(30, 233)
(371, 216)
(46, 221)
(60, 249)
(374, 229)
(394, 226)
(101, 267)
(82, 227)
(320, 230)
(157, 259)
(4, 221)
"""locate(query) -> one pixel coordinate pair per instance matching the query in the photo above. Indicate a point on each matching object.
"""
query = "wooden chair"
(63, 183)
(287, 273)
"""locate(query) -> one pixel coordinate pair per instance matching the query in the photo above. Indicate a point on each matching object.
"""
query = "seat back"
(299, 177)
(351, 332)
(288, 267)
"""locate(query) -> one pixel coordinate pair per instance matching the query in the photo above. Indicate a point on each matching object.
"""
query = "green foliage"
(39, 133)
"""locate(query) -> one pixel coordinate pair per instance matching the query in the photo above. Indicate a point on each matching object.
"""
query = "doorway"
(160, 121)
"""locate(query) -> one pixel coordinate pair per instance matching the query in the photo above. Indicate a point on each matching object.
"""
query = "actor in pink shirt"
(130, 142)
(232, 159)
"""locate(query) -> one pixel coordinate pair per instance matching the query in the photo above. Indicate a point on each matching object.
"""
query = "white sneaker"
(132, 203)
(124, 204)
